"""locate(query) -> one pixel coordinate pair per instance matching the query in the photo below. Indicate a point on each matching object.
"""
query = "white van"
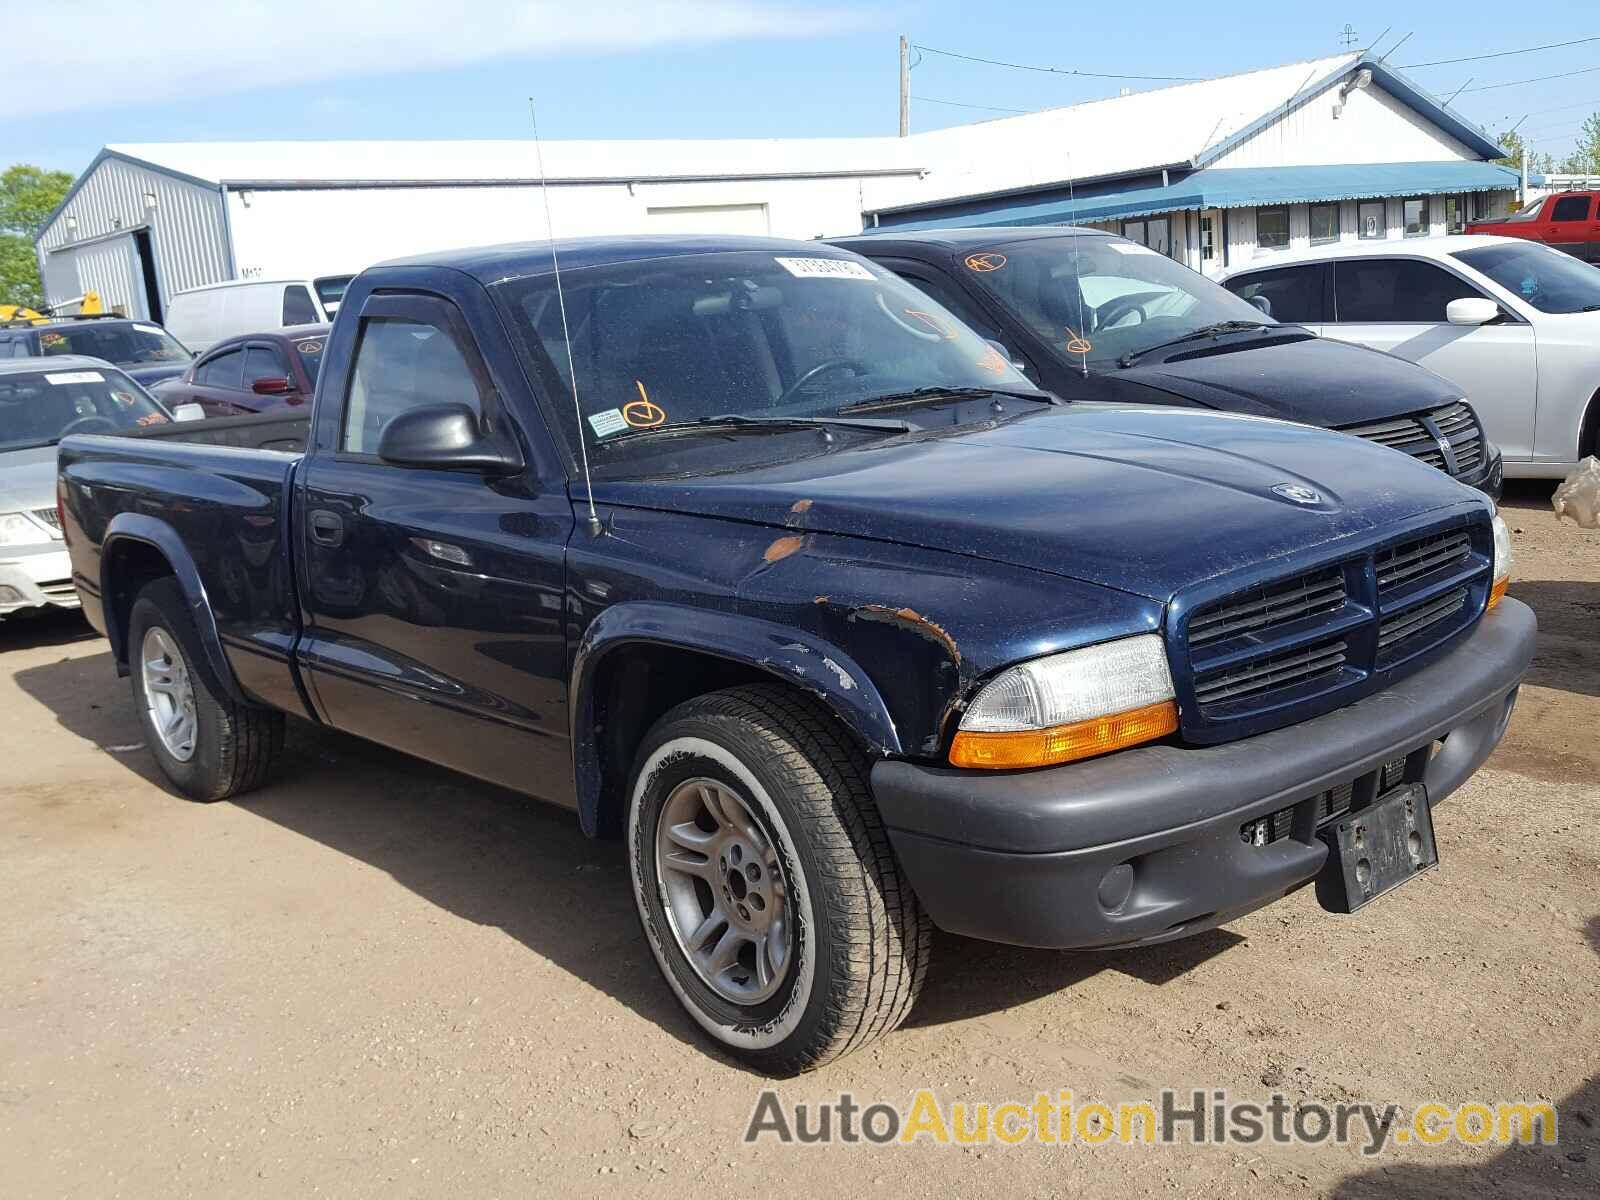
(201, 316)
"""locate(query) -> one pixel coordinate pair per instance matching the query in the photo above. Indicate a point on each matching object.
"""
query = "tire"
(224, 747)
(846, 942)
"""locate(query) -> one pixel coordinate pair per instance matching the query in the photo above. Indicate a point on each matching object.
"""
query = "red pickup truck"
(1568, 221)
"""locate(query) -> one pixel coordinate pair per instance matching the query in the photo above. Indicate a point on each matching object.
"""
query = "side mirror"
(1471, 310)
(271, 385)
(446, 437)
(1263, 304)
(188, 412)
(1016, 362)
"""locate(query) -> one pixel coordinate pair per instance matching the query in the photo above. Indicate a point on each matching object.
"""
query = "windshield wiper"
(735, 424)
(1205, 331)
(942, 395)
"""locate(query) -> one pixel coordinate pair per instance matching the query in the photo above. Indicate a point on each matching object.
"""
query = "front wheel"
(765, 881)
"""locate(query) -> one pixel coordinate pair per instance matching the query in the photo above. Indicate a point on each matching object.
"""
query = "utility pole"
(905, 86)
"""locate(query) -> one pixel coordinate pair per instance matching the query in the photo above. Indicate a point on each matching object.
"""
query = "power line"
(995, 62)
(1539, 112)
(961, 104)
(1445, 62)
(1490, 87)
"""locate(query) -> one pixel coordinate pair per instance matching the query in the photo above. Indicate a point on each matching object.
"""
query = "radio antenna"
(593, 522)
(1081, 334)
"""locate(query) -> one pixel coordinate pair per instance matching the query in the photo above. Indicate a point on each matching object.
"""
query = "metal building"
(145, 221)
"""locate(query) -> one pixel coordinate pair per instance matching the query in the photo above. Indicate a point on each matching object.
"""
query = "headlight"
(1069, 706)
(1502, 561)
(18, 529)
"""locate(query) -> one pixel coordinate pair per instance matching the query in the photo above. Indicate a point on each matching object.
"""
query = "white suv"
(1514, 324)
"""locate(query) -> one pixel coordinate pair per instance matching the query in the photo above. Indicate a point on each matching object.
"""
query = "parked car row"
(766, 564)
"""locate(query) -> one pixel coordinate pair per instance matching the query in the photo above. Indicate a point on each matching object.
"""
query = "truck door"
(433, 596)
(1573, 226)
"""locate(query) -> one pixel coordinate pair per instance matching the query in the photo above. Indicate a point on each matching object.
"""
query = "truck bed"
(213, 498)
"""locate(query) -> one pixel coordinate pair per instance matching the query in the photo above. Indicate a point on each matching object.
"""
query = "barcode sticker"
(825, 268)
(606, 423)
(60, 378)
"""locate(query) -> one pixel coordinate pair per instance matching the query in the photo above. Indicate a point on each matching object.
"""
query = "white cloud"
(98, 54)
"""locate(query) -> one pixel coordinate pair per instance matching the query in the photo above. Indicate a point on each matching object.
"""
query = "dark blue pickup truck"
(771, 568)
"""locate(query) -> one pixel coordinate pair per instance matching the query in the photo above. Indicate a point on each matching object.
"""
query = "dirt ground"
(377, 978)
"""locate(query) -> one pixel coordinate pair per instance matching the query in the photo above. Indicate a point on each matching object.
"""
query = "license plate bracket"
(1375, 850)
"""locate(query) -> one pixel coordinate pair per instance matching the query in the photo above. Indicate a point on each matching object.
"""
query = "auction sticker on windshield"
(60, 378)
(606, 423)
(825, 268)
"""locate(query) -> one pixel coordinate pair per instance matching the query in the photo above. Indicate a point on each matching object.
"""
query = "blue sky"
(174, 70)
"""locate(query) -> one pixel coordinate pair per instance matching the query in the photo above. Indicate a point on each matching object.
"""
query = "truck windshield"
(1549, 280)
(132, 344)
(750, 335)
(42, 407)
(1100, 298)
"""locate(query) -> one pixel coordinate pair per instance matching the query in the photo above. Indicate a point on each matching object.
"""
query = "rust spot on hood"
(910, 618)
(782, 548)
(800, 506)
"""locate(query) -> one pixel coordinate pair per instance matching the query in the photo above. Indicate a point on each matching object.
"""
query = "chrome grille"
(1458, 425)
(1405, 434)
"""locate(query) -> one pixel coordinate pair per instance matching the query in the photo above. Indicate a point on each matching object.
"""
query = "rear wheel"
(765, 881)
(208, 744)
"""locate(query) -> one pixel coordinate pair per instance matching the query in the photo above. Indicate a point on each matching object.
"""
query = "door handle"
(327, 528)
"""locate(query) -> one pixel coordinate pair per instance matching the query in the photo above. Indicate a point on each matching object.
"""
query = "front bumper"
(41, 579)
(1146, 845)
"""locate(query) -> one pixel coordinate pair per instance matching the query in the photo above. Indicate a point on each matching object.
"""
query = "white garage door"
(710, 218)
(109, 266)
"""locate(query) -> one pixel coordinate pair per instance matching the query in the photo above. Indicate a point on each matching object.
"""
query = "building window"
(1324, 223)
(1372, 224)
(1455, 214)
(1416, 218)
(1272, 228)
(1208, 240)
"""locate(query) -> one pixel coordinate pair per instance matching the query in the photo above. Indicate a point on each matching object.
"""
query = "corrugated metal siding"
(110, 267)
(187, 231)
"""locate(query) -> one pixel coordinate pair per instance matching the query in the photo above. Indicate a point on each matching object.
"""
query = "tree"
(1514, 146)
(1585, 158)
(28, 195)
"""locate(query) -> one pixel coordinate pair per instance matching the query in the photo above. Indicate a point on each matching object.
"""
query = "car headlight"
(19, 529)
(1502, 561)
(1070, 706)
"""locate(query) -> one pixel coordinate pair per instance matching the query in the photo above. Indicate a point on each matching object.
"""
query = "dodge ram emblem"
(1297, 493)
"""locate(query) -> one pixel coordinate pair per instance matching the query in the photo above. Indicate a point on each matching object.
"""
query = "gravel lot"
(377, 978)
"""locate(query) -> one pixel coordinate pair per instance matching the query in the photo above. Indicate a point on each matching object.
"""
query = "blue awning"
(1214, 187)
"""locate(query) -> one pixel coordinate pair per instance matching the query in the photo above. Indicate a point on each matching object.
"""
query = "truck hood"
(1144, 499)
(28, 479)
(1316, 381)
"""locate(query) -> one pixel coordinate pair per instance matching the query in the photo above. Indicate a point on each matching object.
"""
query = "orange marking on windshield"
(932, 323)
(643, 413)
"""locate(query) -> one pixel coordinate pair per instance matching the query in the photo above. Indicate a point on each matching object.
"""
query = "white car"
(1514, 324)
(202, 316)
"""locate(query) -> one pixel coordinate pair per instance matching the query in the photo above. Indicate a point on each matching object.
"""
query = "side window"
(298, 308)
(403, 364)
(945, 293)
(222, 370)
(1571, 208)
(263, 362)
(1295, 293)
(1395, 290)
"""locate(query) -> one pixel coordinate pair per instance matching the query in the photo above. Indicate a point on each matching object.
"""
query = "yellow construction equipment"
(88, 305)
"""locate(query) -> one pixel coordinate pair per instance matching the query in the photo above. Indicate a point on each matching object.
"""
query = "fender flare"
(788, 654)
(140, 527)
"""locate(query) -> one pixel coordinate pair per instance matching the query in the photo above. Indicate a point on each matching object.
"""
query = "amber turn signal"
(1063, 743)
(1497, 591)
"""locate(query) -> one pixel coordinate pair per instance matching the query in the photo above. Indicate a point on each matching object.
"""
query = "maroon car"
(252, 373)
